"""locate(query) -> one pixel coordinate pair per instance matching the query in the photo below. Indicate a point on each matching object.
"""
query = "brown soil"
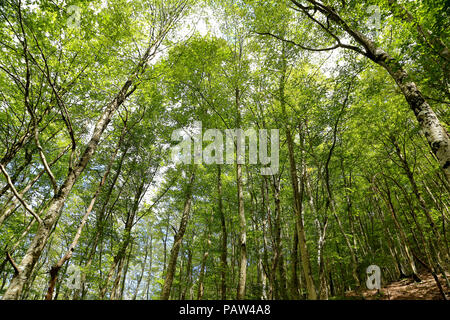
(406, 289)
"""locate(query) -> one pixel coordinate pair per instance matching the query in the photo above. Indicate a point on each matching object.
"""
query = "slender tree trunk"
(298, 205)
(306, 267)
(120, 256)
(241, 213)
(188, 275)
(278, 261)
(57, 203)
(266, 228)
(125, 272)
(98, 238)
(201, 277)
(54, 210)
(418, 195)
(141, 275)
(295, 290)
(404, 240)
(55, 269)
(170, 273)
(150, 269)
(223, 255)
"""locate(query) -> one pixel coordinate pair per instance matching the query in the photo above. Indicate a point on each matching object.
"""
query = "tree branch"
(11, 260)
(296, 44)
(26, 206)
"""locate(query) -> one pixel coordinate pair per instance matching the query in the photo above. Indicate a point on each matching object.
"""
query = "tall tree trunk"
(298, 198)
(150, 269)
(125, 272)
(266, 228)
(241, 213)
(418, 195)
(278, 261)
(201, 289)
(100, 220)
(223, 255)
(54, 210)
(56, 205)
(188, 282)
(295, 290)
(55, 269)
(354, 261)
(141, 275)
(321, 231)
(306, 267)
(170, 273)
(435, 133)
(401, 232)
(119, 259)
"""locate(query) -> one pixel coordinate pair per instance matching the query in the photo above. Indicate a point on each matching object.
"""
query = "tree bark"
(170, 273)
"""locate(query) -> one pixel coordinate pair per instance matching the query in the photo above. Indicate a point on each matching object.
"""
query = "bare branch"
(14, 265)
(296, 44)
(44, 161)
(26, 206)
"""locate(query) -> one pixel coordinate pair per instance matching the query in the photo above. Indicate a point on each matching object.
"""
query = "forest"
(224, 149)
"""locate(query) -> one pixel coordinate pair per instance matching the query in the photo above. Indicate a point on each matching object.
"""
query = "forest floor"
(405, 289)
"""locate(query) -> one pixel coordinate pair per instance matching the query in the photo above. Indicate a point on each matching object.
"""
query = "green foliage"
(370, 189)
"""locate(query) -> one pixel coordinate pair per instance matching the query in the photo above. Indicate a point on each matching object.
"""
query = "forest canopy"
(222, 149)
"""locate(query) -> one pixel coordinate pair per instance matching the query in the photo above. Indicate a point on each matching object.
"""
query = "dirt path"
(406, 289)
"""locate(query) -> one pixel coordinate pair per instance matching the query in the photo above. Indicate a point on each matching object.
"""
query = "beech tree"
(97, 200)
